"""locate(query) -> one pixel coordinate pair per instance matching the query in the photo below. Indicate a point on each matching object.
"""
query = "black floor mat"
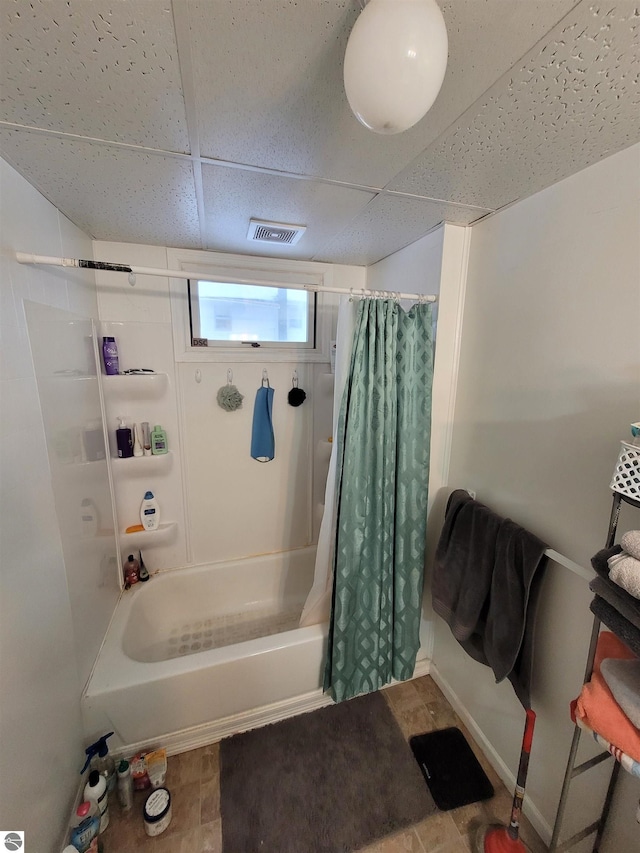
(451, 770)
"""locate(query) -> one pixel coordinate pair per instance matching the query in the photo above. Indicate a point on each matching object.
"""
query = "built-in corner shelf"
(139, 386)
(70, 375)
(149, 538)
(142, 466)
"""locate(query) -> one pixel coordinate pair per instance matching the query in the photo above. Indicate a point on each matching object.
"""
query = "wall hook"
(198, 375)
(229, 377)
(296, 396)
(265, 378)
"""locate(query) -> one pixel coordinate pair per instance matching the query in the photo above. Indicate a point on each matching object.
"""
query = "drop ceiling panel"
(263, 88)
(388, 224)
(233, 196)
(269, 89)
(101, 69)
(112, 194)
(573, 100)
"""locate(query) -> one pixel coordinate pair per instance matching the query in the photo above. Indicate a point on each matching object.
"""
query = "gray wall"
(549, 381)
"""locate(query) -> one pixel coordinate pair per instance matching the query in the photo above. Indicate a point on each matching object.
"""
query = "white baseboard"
(216, 730)
(539, 823)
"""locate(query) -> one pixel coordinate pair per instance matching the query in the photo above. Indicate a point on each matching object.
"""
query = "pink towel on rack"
(596, 706)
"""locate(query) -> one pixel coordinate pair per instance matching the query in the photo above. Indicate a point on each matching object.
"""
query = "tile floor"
(194, 781)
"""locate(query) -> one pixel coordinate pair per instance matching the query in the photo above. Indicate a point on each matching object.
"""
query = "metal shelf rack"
(574, 770)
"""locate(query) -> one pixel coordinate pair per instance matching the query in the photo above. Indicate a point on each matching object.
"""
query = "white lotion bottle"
(149, 512)
(96, 790)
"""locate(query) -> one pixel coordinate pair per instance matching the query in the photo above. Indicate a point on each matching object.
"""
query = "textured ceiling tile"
(270, 92)
(233, 196)
(101, 69)
(112, 194)
(388, 224)
(574, 100)
(267, 82)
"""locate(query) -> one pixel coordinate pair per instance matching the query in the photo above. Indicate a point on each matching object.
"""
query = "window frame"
(212, 343)
(253, 270)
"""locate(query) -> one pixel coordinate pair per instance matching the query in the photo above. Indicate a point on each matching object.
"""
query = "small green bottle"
(158, 441)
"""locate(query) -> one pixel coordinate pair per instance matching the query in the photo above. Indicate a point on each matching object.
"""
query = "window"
(227, 314)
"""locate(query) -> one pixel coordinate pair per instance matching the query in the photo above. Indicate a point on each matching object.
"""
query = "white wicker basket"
(626, 477)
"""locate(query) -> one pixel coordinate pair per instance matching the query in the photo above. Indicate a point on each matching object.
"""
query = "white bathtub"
(159, 680)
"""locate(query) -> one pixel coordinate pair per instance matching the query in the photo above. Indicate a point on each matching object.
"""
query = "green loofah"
(229, 398)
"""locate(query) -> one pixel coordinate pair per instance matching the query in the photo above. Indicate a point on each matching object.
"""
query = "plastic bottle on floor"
(125, 786)
(85, 826)
(96, 790)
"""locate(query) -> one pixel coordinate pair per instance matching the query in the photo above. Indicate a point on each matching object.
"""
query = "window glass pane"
(241, 312)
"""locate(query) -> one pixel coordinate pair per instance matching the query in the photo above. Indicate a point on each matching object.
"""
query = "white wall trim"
(453, 283)
(530, 810)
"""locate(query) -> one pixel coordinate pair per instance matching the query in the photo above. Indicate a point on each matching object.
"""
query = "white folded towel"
(625, 571)
(631, 543)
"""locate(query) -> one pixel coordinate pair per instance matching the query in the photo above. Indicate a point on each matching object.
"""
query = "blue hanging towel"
(263, 444)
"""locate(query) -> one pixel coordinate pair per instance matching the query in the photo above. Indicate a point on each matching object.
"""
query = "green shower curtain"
(383, 467)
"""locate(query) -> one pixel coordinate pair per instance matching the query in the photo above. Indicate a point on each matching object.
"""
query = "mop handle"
(518, 796)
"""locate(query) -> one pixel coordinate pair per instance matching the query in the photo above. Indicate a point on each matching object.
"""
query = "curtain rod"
(48, 260)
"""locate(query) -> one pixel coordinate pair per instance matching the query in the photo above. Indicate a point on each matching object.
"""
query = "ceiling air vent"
(275, 232)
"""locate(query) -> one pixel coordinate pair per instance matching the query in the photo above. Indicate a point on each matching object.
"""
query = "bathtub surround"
(382, 478)
(338, 778)
(223, 504)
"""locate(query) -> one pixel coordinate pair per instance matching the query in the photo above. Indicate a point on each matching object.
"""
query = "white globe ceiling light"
(395, 62)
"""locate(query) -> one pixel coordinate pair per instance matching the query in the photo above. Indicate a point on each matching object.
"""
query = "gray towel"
(466, 550)
(623, 680)
(621, 627)
(486, 579)
(625, 604)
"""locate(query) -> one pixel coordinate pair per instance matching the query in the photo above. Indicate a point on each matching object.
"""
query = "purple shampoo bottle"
(110, 356)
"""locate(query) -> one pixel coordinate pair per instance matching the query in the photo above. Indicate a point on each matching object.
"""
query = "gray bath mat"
(330, 781)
